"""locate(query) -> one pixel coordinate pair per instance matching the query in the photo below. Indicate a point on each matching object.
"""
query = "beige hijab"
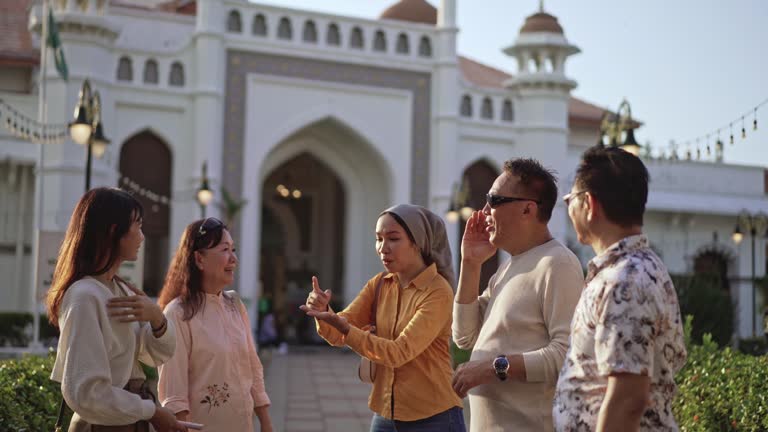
(428, 231)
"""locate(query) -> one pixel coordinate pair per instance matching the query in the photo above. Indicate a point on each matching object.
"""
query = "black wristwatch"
(501, 366)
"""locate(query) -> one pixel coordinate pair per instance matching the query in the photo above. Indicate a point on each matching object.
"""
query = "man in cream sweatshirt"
(518, 327)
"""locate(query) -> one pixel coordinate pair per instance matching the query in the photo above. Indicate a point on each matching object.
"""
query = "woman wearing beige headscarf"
(410, 344)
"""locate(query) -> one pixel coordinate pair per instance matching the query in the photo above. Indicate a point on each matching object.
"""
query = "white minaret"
(542, 95)
(445, 129)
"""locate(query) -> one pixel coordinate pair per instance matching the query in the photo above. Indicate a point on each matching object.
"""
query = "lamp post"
(87, 128)
(204, 193)
(459, 207)
(754, 224)
(619, 128)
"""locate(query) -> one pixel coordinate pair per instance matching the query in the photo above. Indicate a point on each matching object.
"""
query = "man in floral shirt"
(626, 334)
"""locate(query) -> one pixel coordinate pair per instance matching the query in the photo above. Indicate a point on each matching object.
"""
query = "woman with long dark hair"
(107, 326)
(215, 377)
(413, 304)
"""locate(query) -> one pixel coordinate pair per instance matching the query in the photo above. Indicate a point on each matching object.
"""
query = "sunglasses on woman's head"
(208, 225)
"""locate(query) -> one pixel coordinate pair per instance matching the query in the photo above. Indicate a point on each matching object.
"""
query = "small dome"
(419, 11)
(541, 22)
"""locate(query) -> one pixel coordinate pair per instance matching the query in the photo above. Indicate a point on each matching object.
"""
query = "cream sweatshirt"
(97, 356)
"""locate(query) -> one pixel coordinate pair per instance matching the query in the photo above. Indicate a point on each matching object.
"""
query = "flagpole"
(42, 117)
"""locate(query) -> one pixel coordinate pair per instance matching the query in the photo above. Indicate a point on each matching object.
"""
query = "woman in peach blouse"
(215, 377)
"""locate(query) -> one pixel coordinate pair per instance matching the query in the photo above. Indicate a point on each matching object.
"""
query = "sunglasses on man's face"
(208, 225)
(497, 200)
(567, 198)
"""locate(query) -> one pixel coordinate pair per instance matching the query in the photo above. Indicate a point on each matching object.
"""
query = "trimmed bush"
(29, 399)
(16, 329)
(711, 306)
(721, 390)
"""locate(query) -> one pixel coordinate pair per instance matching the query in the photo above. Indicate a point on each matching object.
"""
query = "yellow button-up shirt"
(410, 347)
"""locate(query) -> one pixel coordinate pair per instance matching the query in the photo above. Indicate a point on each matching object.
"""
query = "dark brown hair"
(184, 279)
(91, 244)
(618, 180)
(537, 182)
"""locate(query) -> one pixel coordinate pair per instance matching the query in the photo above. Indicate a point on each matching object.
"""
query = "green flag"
(55, 43)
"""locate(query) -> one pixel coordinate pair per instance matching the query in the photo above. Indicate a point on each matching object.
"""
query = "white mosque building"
(348, 115)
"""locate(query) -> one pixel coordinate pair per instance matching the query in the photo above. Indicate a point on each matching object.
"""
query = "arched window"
(334, 36)
(234, 22)
(466, 106)
(177, 75)
(259, 26)
(380, 41)
(150, 72)
(310, 32)
(507, 111)
(425, 47)
(486, 111)
(124, 69)
(284, 29)
(356, 38)
(402, 44)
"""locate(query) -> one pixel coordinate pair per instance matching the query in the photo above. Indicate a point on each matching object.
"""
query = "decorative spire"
(541, 6)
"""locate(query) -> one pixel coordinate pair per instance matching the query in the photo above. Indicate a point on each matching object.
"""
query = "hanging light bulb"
(754, 122)
(731, 126)
(743, 130)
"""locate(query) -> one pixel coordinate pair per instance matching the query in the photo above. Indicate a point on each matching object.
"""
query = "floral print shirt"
(627, 321)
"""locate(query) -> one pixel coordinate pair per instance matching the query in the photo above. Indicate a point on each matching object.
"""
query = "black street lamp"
(87, 128)
(619, 128)
(754, 224)
(459, 207)
(204, 193)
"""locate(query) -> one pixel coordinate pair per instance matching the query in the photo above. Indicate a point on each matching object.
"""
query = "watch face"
(501, 364)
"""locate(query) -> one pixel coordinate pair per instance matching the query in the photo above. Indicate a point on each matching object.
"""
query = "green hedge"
(721, 389)
(29, 400)
(16, 329)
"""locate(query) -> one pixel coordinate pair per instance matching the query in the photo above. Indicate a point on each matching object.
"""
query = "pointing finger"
(316, 285)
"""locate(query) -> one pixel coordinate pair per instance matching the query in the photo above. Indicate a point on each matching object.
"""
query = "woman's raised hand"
(137, 307)
(318, 299)
(317, 307)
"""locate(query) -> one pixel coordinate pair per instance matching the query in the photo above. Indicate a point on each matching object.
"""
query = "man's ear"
(592, 206)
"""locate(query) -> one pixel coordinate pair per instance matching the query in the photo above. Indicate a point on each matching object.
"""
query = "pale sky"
(687, 67)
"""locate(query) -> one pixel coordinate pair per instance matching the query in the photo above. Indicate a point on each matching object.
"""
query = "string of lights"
(28, 129)
(712, 141)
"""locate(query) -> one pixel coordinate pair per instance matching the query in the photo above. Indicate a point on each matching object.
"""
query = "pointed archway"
(353, 185)
(479, 177)
(302, 200)
(146, 160)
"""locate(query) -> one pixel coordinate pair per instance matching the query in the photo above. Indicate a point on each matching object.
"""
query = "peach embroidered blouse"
(215, 373)
(410, 347)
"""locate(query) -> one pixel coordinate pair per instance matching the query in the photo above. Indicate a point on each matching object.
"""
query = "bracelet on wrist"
(161, 327)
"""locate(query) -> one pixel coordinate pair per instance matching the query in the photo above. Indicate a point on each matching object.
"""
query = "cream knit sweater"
(97, 356)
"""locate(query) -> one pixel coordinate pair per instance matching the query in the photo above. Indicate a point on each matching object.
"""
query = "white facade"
(389, 126)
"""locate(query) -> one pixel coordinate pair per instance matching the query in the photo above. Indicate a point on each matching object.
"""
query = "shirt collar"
(422, 280)
(617, 250)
